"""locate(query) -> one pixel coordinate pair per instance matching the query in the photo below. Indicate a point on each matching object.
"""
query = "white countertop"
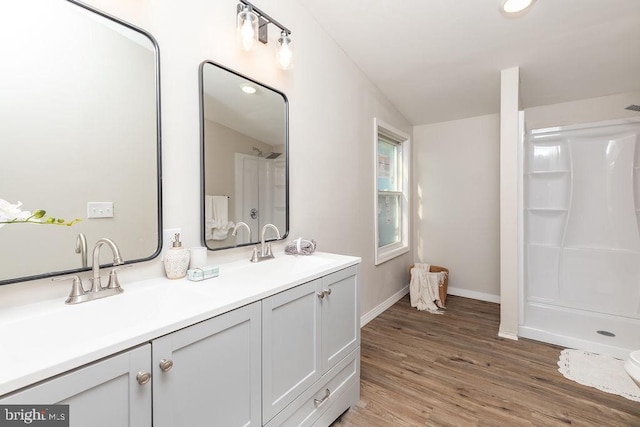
(46, 338)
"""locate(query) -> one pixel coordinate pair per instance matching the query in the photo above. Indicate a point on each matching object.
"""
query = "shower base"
(590, 331)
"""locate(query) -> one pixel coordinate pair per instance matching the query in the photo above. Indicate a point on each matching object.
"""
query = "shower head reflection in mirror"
(271, 155)
(80, 100)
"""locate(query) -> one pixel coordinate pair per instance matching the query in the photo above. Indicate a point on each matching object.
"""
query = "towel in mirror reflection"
(216, 211)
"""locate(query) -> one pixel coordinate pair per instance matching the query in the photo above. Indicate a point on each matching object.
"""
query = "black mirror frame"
(202, 152)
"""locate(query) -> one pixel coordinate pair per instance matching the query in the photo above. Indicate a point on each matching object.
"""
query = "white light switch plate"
(100, 210)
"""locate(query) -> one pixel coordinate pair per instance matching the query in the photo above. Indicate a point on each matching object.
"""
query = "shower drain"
(606, 333)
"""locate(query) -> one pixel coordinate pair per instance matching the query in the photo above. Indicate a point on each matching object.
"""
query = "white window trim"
(388, 252)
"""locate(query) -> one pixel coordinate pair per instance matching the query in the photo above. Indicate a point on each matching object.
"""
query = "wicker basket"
(444, 286)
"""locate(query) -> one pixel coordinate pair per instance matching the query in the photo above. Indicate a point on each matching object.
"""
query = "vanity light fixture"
(252, 26)
(514, 8)
(284, 52)
(247, 27)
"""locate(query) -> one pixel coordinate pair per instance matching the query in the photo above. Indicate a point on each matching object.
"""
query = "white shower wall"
(582, 239)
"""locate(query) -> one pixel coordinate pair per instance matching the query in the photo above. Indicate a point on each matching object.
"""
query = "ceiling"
(439, 60)
(260, 115)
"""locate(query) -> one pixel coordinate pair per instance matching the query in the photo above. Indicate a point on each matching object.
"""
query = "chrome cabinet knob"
(143, 377)
(324, 293)
(166, 365)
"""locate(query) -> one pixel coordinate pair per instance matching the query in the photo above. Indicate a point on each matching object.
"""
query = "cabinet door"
(209, 374)
(290, 346)
(103, 394)
(340, 316)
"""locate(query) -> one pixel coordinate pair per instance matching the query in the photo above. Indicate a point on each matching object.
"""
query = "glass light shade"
(247, 28)
(284, 52)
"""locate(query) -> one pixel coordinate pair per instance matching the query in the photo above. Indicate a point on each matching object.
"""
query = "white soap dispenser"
(176, 259)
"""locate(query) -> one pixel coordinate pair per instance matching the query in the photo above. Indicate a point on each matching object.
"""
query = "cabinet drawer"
(311, 404)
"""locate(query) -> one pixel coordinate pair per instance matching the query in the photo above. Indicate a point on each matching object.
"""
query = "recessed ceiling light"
(248, 89)
(515, 7)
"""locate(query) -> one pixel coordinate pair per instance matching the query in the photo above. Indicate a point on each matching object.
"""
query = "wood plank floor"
(420, 369)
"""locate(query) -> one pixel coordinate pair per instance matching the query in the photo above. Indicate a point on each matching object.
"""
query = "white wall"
(510, 135)
(332, 106)
(456, 172)
(599, 109)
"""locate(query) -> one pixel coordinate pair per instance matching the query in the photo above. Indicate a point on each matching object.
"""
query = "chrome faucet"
(265, 249)
(241, 224)
(81, 248)
(117, 260)
(78, 294)
(266, 252)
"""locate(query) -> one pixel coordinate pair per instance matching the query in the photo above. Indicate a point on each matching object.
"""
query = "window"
(392, 192)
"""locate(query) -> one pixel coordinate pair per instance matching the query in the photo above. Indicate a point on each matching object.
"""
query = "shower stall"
(580, 284)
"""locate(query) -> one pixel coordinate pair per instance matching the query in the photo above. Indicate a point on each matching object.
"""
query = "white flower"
(12, 214)
(9, 212)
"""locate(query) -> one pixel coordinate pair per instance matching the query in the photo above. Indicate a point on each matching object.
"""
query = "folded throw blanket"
(424, 288)
(300, 246)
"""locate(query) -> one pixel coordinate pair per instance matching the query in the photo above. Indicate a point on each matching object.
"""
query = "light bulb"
(284, 53)
(247, 28)
(248, 89)
(513, 7)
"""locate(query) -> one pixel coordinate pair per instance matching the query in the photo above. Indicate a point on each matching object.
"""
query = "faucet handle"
(77, 290)
(254, 255)
(114, 283)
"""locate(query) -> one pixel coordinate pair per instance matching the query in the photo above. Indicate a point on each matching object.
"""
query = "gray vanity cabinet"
(209, 374)
(292, 358)
(310, 342)
(106, 393)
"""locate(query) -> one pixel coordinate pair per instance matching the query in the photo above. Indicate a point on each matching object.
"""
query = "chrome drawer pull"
(319, 402)
(143, 377)
(320, 294)
(327, 291)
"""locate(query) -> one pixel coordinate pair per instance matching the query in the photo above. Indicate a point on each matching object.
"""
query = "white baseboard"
(368, 317)
(508, 335)
(473, 295)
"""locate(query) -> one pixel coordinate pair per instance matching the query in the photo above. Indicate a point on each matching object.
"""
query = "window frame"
(403, 141)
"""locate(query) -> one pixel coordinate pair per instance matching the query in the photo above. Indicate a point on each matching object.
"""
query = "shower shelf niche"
(548, 190)
(557, 172)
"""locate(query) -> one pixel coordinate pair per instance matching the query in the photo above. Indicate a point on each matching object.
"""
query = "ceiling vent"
(633, 108)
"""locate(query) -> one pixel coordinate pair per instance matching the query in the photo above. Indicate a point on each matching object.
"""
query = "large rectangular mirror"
(244, 130)
(79, 125)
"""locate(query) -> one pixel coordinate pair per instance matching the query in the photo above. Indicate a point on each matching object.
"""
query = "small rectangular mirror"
(244, 133)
